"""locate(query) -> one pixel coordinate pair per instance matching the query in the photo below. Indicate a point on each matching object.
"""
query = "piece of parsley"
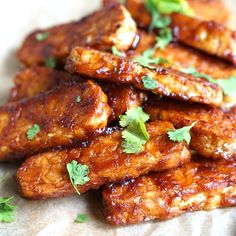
(41, 36)
(147, 58)
(50, 63)
(33, 131)
(182, 134)
(78, 174)
(228, 85)
(81, 218)
(133, 114)
(116, 52)
(135, 135)
(164, 38)
(6, 210)
(149, 82)
(78, 99)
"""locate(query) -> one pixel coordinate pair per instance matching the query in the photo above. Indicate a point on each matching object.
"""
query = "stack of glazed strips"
(69, 113)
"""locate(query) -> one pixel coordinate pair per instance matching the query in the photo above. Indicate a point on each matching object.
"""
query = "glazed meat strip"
(45, 175)
(182, 57)
(111, 26)
(164, 195)
(214, 134)
(204, 9)
(208, 36)
(51, 119)
(35, 80)
(167, 82)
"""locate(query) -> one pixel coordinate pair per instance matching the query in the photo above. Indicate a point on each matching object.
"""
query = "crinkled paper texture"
(56, 216)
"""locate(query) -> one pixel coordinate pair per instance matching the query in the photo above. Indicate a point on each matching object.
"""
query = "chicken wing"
(214, 134)
(166, 82)
(45, 175)
(208, 36)
(51, 119)
(204, 9)
(103, 29)
(163, 195)
(35, 80)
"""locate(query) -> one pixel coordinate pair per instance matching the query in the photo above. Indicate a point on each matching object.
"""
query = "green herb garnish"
(149, 82)
(164, 38)
(182, 134)
(147, 58)
(50, 63)
(81, 218)
(116, 52)
(78, 174)
(33, 131)
(41, 36)
(135, 135)
(78, 99)
(6, 210)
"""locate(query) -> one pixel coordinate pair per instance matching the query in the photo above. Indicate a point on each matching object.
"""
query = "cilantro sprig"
(180, 135)
(42, 36)
(33, 131)
(81, 218)
(116, 52)
(135, 135)
(149, 82)
(78, 174)
(6, 210)
(147, 58)
(50, 62)
(164, 38)
(228, 85)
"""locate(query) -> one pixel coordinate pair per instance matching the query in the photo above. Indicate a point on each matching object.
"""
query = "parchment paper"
(56, 216)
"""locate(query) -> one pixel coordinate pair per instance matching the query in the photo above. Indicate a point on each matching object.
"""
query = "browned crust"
(163, 195)
(101, 30)
(44, 175)
(34, 80)
(61, 118)
(214, 134)
(170, 83)
(208, 36)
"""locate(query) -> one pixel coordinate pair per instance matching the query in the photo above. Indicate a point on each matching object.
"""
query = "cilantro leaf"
(149, 82)
(133, 114)
(164, 38)
(81, 218)
(50, 63)
(78, 174)
(147, 58)
(228, 85)
(33, 131)
(182, 134)
(6, 210)
(78, 99)
(135, 136)
(41, 36)
(116, 52)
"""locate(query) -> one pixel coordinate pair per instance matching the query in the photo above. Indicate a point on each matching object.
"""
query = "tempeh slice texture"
(51, 119)
(168, 82)
(45, 175)
(111, 26)
(164, 195)
(213, 135)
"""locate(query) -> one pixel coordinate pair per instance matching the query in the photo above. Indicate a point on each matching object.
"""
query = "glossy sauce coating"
(102, 29)
(164, 195)
(214, 134)
(45, 175)
(204, 9)
(208, 36)
(169, 82)
(35, 80)
(62, 120)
